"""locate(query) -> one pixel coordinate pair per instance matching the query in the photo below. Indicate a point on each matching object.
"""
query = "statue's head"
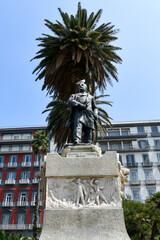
(81, 86)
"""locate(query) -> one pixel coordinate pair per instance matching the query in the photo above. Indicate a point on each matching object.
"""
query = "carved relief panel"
(81, 192)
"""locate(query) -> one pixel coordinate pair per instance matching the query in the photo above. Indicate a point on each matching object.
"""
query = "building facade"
(18, 183)
(138, 145)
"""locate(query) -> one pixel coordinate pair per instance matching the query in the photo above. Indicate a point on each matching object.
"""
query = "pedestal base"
(84, 224)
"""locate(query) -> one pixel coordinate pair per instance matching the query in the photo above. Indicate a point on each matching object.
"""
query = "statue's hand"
(82, 106)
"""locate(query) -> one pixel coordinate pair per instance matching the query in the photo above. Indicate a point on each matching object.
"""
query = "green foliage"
(77, 49)
(143, 219)
(40, 143)
(12, 236)
(59, 112)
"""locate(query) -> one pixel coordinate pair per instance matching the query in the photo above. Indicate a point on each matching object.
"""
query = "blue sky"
(135, 97)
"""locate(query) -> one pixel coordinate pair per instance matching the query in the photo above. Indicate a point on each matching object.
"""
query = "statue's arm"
(95, 109)
(72, 102)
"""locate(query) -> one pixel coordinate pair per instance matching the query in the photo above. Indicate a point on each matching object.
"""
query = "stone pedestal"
(82, 196)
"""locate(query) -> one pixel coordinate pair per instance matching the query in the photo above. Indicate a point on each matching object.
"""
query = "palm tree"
(77, 49)
(59, 113)
(40, 145)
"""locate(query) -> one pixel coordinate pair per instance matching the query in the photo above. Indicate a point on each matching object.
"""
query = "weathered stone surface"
(82, 197)
(58, 166)
(84, 224)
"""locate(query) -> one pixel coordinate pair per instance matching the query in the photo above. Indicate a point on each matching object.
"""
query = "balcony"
(147, 164)
(35, 180)
(12, 164)
(150, 182)
(33, 203)
(133, 135)
(127, 149)
(157, 147)
(1, 165)
(155, 134)
(7, 204)
(22, 203)
(12, 151)
(26, 164)
(132, 165)
(36, 163)
(17, 226)
(24, 181)
(134, 182)
(16, 139)
(10, 181)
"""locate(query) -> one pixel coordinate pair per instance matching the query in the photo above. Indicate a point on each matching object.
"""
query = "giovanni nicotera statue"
(83, 114)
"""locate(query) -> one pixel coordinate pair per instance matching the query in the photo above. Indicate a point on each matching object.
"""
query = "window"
(151, 191)
(143, 144)
(140, 129)
(130, 160)
(26, 147)
(23, 198)
(154, 129)
(11, 175)
(5, 148)
(157, 143)
(26, 136)
(16, 136)
(25, 175)
(133, 175)
(145, 158)
(114, 133)
(8, 197)
(148, 174)
(21, 218)
(35, 172)
(126, 145)
(27, 158)
(158, 157)
(6, 218)
(15, 148)
(136, 194)
(115, 146)
(13, 159)
(120, 159)
(1, 159)
(34, 196)
(33, 215)
(1, 175)
(125, 132)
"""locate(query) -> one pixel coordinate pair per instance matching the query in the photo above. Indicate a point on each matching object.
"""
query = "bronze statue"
(83, 115)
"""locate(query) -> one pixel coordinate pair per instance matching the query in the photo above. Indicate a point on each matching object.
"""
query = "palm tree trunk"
(35, 223)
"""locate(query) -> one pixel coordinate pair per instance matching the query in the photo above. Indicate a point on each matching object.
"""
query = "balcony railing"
(17, 226)
(157, 147)
(35, 180)
(7, 204)
(132, 164)
(10, 181)
(22, 203)
(150, 181)
(16, 138)
(36, 164)
(12, 164)
(24, 181)
(127, 135)
(155, 134)
(147, 164)
(12, 150)
(33, 203)
(26, 164)
(134, 182)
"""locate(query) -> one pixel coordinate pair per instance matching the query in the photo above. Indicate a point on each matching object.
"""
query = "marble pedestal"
(82, 196)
